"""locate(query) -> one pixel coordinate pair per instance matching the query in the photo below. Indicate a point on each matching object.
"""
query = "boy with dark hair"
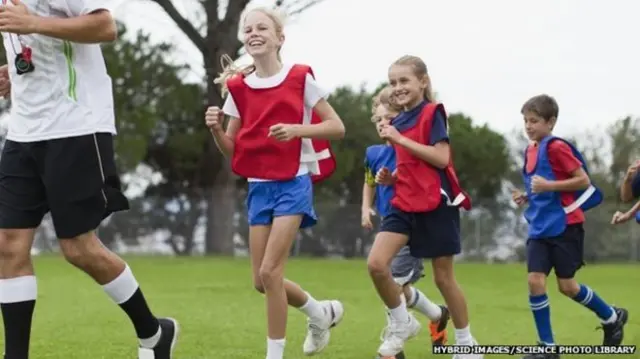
(558, 191)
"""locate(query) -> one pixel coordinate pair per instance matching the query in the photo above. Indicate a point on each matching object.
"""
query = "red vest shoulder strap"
(302, 69)
(298, 73)
(235, 85)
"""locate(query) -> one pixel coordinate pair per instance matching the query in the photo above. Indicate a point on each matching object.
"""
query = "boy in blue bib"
(558, 191)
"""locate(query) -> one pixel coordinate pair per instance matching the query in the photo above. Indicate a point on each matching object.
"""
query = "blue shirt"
(635, 186)
(408, 119)
(376, 157)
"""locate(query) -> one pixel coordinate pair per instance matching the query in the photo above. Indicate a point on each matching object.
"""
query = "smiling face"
(383, 116)
(536, 126)
(262, 33)
(408, 88)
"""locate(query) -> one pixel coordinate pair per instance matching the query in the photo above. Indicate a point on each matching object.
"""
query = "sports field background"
(221, 315)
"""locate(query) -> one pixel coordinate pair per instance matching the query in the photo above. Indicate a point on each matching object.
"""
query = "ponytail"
(229, 70)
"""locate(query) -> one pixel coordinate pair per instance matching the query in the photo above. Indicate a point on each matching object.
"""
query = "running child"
(272, 108)
(558, 191)
(424, 210)
(405, 269)
(629, 190)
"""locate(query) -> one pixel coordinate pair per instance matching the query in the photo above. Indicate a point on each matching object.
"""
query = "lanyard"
(25, 50)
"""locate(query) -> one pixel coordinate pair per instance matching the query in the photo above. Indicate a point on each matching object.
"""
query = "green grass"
(222, 317)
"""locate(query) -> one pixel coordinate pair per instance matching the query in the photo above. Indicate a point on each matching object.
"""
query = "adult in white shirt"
(59, 158)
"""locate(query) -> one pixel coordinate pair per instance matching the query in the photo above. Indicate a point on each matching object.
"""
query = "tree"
(219, 36)
(152, 102)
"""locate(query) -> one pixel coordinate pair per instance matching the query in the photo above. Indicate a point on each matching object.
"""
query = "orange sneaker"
(438, 328)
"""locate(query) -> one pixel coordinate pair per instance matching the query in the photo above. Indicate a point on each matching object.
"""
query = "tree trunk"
(222, 196)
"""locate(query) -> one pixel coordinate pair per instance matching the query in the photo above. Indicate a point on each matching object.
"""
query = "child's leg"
(440, 240)
(393, 236)
(406, 271)
(296, 297)
(385, 247)
(283, 232)
(293, 209)
(419, 301)
(539, 264)
(568, 258)
(444, 277)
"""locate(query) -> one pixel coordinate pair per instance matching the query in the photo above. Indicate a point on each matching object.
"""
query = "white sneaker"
(469, 356)
(396, 334)
(318, 329)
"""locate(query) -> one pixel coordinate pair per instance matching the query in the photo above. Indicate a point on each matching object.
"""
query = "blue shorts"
(431, 234)
(267, 200)
(563, 253)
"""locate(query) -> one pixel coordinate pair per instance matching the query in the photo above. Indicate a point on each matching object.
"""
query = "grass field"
(222, 317)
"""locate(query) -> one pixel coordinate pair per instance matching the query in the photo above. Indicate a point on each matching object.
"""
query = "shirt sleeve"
(84, 7)
(229, 108)
(369, 175)
(313, 92)
(438, 129)
(561, 158)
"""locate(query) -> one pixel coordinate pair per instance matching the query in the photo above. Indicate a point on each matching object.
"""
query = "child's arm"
(224, 139)
(436, 153)
(330, 127)
(620, 217)
(368, 191)
(214, 118)
(368, 195)
(629, 182)
(562, 160)
(579, 180)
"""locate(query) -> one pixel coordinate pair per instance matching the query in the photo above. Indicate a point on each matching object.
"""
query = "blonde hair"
(420, 70)
(229, 68)
(385, 98)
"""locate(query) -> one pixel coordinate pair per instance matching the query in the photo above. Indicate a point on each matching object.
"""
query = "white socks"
(421, 303)
(123, 287)
(312, 308)
(275, 348)
(463, 336)
(400, 313)
(612, 318)
(150, 343)
(19, 289)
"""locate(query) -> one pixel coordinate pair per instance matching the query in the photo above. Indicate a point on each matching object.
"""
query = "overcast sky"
(485, 57)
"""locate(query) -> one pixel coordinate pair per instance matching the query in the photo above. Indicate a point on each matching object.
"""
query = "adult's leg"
(83, 188)
(22, 207)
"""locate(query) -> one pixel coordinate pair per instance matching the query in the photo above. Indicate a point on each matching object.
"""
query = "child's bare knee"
(568, 287)
(537, 283)
(377, 266)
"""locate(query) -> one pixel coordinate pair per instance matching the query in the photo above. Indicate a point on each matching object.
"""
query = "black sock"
(145, 323)
(17, 328)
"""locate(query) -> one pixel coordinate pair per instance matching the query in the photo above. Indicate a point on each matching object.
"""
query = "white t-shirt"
(312, 94)
(69, 93)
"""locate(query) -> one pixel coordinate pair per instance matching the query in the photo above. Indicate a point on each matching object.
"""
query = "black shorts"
(563, 253)
(74, 178)
(431, 234)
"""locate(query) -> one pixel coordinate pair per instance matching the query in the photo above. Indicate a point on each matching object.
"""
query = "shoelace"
(315, 329)
(389, 332)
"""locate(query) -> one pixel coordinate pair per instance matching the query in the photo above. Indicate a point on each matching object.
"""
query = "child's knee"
(443, 275)
(568, 287)
(257, 284)
(378, 266)
(537, 283)
(269, 275)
